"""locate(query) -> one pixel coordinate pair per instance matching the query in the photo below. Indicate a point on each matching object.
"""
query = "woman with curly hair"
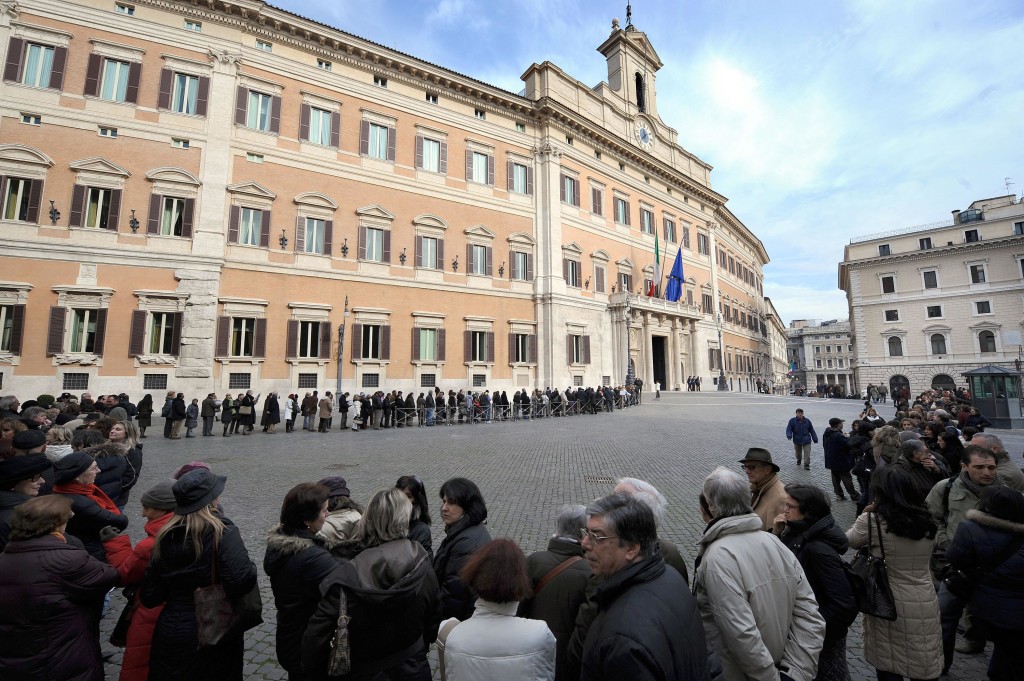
(885, 442)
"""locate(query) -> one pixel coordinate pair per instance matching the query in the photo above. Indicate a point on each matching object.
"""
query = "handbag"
(216, 615)
(245, 410)
(870, 579)
(340, 662)
(119, 636)
(442, 638)
(961, 583)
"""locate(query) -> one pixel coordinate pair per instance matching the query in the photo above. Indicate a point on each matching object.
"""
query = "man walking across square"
(801, 431)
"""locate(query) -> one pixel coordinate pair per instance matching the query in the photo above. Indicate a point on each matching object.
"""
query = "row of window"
(981, 307)
(742, 363)
(828, 349)
(970, 236)
(938, 344)
(977, 274)
(828, 363)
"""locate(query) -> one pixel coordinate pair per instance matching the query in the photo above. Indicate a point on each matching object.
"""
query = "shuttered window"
(171, 216)
(570, 190)
(12, 328)
(97, 207)
(520, 178)
(377, 141)
(35, 64)
(155, 333)
(522, 265)
(21, 198)
(258, 110)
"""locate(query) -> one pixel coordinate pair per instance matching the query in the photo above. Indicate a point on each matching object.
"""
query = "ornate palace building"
(216, 195)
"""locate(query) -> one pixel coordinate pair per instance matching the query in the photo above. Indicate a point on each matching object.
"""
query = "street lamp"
(341, 345)
(721, 358)
(629, 365)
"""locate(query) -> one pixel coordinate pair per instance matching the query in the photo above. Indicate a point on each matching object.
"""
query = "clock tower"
(632, 65)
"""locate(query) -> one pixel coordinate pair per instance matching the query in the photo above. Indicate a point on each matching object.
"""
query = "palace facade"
(224, 195)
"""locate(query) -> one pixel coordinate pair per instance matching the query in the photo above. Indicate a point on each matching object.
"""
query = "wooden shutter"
(443, 164)
(627, 212)
(467, 346)
(202, 96)
(510, 175)
(241, 105)
(469, 165)
(599, 279)
(392, 140)
(439, 263)
(440, 345)
(362, 242)
(101, 332)
(336, 129)
(529, 180)
(328, 237)
(259, 338)
(304, 122)
(156, 202)
(529, 266)
(561, 188)
(275, 114)
(131, 93)
(15, 53)
(565, 269)
(300, 234)
(265, 230)
(223, 336)
(490, 170)
(233, 223)
(568, 349)
(364, 138)
(489, 343)
(77, 206)
(188, 218)
(576, 192)
(293, 338)
(595, 201)
(419, 251)
(114, 213)
(17, 328)
(326, 333)
(163, 100)
(55, 331)
(137, 334)
(387, 247)
(469, 258)
(490, 261)
(513, 271)
(357, 341)
(586, 349)
(385, 342)
(176, 324)
(415, 355)
(419, 151)
(35, 197)
(511, 348)
(92, 75)
(58, 67)
(533, 349)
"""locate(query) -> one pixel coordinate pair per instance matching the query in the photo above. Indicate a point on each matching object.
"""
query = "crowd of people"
(361, 592)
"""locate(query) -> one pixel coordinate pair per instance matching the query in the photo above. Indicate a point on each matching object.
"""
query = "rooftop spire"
(629, 17)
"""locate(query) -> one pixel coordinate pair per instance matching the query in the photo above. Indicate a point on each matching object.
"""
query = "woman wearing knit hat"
(20, 480)
(157, 508)
(75, 476)
(195, 542)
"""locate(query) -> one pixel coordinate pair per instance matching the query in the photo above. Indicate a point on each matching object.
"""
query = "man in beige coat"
(768, 492)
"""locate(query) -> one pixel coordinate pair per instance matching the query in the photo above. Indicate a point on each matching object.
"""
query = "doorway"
(658, 347)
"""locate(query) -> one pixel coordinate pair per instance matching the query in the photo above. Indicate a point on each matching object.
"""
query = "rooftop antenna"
(1009, 183)
(629, 17)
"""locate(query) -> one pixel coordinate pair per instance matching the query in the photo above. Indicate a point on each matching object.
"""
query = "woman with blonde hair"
(58, 442)
(197, 547)
(126, 434)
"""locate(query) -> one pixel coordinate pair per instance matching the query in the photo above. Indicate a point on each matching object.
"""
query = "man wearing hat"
(342, 513)
(20, 480)
(839, 459)
(768, 492)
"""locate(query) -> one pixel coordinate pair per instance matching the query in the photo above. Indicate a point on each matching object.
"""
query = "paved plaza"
(526, 471)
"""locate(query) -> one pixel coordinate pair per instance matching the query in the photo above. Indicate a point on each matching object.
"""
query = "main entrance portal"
(658, 352)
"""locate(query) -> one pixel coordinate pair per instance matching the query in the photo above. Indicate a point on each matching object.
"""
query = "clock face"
(644, 135)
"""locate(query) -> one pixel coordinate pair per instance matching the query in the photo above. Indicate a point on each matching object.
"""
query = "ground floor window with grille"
(371, 380)
(75, 382)
(154, 381)
(428, 380)
(606, 380)
(577, 381)
(308, 381)
(239, 381)
(479, 380)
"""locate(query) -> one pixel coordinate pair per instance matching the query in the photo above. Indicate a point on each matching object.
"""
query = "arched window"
(938, 344)
(943, 382)
(895, 346)
(641, 93)
(987, 341)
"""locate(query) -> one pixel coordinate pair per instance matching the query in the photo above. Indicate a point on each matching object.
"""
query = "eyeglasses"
(594, 538)
(751, 466)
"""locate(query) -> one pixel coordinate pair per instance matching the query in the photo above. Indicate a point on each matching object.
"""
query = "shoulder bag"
(555, 571)
(216, 615)
(442, 637)
(340, 662)
(870, 579)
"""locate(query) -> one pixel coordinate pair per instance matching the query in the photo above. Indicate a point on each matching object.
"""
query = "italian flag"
(656, 279)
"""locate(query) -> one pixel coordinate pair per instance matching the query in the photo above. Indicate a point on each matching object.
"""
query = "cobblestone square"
(526, 471)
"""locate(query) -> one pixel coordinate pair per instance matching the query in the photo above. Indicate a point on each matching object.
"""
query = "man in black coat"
(647, 626)
(208, 411)
(839, 459)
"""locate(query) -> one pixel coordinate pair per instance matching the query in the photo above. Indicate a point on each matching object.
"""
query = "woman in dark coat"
(810, 532)
(75, 476)
(297, 562)
(463, 511)
(50, 598)
(112, 459)
(246, 421)
(183, 560)
(988, 548)
(144, 414)
(271, 413)
(951, 449)
(419, 519)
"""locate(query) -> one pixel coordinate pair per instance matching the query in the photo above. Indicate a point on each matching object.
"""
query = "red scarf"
(91, 492)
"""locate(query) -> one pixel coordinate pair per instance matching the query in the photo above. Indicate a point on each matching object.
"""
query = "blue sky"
(823, 119)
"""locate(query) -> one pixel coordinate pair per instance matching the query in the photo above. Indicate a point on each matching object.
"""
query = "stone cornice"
(938, 251)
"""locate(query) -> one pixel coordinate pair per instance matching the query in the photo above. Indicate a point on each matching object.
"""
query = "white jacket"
(756, 603)
(495, 645)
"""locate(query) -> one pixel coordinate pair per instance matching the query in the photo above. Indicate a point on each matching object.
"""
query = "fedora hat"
(760, 455)
(196, 490)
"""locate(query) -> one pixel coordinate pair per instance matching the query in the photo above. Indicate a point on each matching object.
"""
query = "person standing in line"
(228, 409)
(343, 406)
(191, 417)
(289, 413)
(144, 411)
(309, 407)
(800, 431)
(208, 412)
(166, 412)
(179, 412)
(326, 407)
(839, 459)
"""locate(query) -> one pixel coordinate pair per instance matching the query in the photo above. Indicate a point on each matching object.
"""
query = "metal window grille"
(479, 380)
(239, 381)
(76, 382)
(371, 380)
(154, 381)
(308, 381)
(428, 380)
(606, 380)
(577, 381)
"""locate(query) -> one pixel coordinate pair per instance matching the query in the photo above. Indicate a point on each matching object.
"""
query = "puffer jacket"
(50, 598)
(461, 539)
(296, 562)
(819, 547)
(665, 642)
(801, 431)
(910, 646)
(392, 602)
(838, 456)
(113, 463)
(757, 605)
(130, 564)
(981, 541)
(496, 645)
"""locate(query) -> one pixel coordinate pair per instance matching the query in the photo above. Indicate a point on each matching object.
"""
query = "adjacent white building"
(822, 353)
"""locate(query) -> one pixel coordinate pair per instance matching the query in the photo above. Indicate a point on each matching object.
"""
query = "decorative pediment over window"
(601, 255)
(480, 232)
(572, 249)
(98, 164)
(375, 212)
(253, 189)
(317, 200)
(624, 264)
(173, 176)
(19, 153)
(429, 221)
(982, 326)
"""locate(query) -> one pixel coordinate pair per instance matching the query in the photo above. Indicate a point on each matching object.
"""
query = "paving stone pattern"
(526, 470)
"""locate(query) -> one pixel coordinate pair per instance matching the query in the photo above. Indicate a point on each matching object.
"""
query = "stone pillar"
(548, 279)
(672, 361)
(648, 355)
(199, 323)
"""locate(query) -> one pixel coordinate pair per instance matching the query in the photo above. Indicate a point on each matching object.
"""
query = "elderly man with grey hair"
(647, 625)
(644, 491)
(559, 576)
(758, 608)
(1007, 469)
